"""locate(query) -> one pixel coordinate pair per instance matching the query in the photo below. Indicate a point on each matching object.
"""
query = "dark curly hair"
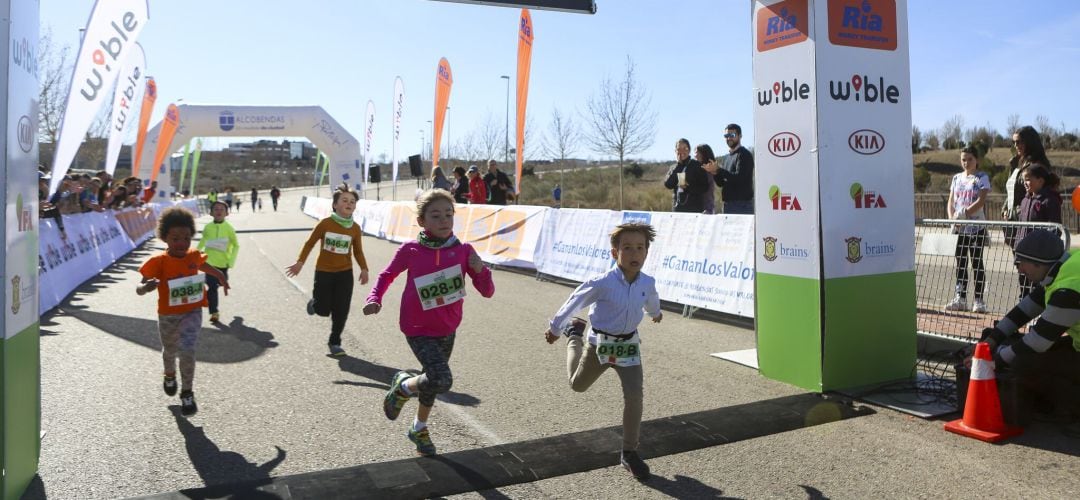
(175, 217)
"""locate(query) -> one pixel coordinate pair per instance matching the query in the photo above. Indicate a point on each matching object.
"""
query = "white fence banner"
(575, 243)
(94, 241)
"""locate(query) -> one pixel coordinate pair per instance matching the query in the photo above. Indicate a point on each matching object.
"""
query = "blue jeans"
(739, 207)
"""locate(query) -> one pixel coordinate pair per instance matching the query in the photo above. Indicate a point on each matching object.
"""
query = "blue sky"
(982, 59)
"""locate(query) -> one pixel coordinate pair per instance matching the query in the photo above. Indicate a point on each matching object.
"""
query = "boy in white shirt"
(616, 301)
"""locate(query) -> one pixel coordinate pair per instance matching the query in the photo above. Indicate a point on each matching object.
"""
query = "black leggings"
(970, 245)
(212, 285)
(333, 295)
(434, 355)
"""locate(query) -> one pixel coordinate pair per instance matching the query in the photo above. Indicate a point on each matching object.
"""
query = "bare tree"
(490, 136)
(621, 119)
(1046, 130)
(561, 139)
(932, 140)
(1012, 124)
(54, 72)
(916, 139)
(951, 132)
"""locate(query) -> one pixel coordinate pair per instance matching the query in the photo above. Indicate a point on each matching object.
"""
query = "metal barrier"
(936, 275)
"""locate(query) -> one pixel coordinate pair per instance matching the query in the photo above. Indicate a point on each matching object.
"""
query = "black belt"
(620, 337)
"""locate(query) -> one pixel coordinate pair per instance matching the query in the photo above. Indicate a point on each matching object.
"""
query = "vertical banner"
(183, 168)
(20, 347)
(147, 108)
(195, 165)
(399, 103)
(369, 133)
(315, 174)
(129, 89)
(524, 62)
(164, 142)
(110, 36)
(325, 168)
(443, 81)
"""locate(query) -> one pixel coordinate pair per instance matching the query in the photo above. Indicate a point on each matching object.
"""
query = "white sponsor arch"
(311, 122)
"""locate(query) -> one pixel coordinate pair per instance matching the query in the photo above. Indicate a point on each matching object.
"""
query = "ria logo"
(866, 199)
(869, 24)
(781, 24)
(866, 142)
(26, 133)
(784, 144)
(866, 90)
(783, 201)
(780, 92)
(226, 121)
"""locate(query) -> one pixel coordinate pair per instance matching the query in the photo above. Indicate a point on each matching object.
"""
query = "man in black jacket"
(736, 176)
(687, 181)
(498, 184)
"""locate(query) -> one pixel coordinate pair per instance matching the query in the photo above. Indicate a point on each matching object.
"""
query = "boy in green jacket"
(219, 242)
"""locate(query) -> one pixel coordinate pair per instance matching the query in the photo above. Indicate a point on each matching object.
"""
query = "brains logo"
(226, 121)
(854, 249)
(15, 299)
(770, 248)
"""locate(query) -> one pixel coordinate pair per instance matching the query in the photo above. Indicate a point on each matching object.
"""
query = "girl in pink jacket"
(430, 307)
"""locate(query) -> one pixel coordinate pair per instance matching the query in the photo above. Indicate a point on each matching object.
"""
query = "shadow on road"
(381, 376)
(685, 487)
(220, 467)
(234, 343)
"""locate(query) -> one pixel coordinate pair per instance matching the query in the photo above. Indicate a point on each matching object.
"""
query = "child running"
(430, 307)
(175, 274)
(615, 299)
(220, 244)
(333, 288)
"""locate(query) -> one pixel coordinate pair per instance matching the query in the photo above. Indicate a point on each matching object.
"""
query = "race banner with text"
(94, 241)
(369, 136)
(129, 90)
(444, 80)
(145, 112)
(524, 66)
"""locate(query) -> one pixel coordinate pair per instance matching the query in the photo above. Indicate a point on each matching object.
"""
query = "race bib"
(186, 290)
(613, 351)
(440, 288)
(219, 244)
(336, 243)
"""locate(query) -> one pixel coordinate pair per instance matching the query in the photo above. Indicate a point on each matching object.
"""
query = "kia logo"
(26, 134)
(784, 144)
(866, 142)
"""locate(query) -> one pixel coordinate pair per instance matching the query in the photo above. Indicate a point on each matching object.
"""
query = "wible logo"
(781, 92)
(110, 48)
(862, 89)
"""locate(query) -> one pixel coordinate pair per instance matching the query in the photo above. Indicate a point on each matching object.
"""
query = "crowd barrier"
(94, 240)
(703, 261)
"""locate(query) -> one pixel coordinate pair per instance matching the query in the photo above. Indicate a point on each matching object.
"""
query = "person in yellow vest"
(221, 247)
(1047, 358)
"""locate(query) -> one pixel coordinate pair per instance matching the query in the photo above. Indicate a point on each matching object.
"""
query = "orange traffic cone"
(982, 412)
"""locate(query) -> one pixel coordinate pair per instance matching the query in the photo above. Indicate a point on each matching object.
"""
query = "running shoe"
(633, 463)
(979, 306)
(422, 440)
(215, 317)
(187, 403)
(311, 307)
(956, 304)
(336, 350)
(395, 399)
(169, 385)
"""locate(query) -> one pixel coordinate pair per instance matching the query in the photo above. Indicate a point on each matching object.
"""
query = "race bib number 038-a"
(186, 290)
(440, 288)
(336, 243)
(612, 351)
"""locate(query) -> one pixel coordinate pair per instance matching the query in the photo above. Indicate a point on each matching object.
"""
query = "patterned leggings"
(434, 356)
(180, 332)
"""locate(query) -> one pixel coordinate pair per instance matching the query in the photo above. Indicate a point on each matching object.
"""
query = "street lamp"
(448, 132)
(422, 134)
(431, 134)
(506, 148)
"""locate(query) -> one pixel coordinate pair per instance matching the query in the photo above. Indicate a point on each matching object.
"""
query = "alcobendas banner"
(129, 89)
(110, 36)
(164, 142)
(524, 62)
(443, 81)
(147, 108)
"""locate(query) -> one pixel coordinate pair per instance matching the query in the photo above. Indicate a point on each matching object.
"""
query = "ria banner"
(129, 89)
(399, 102)
(111, 32)
(164, 142)
(443, 81)
(147, 108)
(524, 61)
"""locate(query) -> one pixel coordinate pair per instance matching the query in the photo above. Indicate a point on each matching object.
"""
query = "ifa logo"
(226, 121)
(781, 92)
(784, 144)
(866, 142)
(866, 199)
(782, 24)
(867, 24)
(783, 201)
(862, 89)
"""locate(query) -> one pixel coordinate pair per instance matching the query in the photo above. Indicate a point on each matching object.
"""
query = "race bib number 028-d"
(336, 243)
(440, 288)
(612, 351)
(186, 290)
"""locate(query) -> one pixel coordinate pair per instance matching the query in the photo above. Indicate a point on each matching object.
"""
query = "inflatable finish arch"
(311, 122)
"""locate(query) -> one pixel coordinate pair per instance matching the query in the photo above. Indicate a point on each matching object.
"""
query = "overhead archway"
(311, 122)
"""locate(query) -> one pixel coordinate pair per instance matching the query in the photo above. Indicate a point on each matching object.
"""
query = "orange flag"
(525, 43)
(165, 137)
(443, 81)
(144, 120)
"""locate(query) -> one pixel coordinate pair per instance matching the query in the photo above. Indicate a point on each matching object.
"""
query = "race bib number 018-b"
(186, 290)
(336, 243)
(440, 288)
(612, 351)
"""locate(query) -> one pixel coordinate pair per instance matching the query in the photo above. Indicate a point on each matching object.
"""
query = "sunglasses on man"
(729, 136)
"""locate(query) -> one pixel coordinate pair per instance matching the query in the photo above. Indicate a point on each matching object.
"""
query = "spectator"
(967, 201)
(477, 189)
(117, 198)
(439, 180)
(46, 210)
(229, 198)
(704, 155)
(460, 188)
(687, 181)
(499, 187)
(254, 199)
(106, 185)
(556, 195)
(1029, 149)
(1042, 203)
(150, 192)
(91, 202)
(275, 193)
(736, 176)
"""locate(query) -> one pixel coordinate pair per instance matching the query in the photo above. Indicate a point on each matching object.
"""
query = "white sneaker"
(956, 304)
(979, 306)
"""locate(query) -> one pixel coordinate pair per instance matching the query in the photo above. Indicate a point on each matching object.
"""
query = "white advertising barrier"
(373, 217)
(94, 241)
(318, 208)
(575, 244)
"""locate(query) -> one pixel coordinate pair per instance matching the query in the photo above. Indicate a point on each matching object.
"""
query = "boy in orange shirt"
(181, 297)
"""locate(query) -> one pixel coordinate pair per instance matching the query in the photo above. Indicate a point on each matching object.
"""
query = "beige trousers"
(583, 368)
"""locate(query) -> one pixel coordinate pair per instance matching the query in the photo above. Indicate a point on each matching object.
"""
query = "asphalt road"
(272, 403)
